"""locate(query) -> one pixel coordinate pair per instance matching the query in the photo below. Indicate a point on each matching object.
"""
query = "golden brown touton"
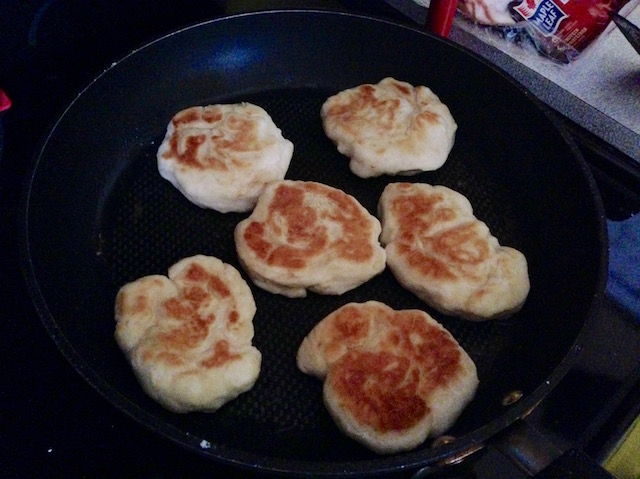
(391, 378)
(440, 251)
(222, 156)
(389, 128)
(188, 336)
(304, 235)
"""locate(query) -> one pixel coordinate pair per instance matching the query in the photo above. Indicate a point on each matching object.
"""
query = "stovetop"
(54, 424)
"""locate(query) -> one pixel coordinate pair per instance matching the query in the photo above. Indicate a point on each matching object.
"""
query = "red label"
(573, 22)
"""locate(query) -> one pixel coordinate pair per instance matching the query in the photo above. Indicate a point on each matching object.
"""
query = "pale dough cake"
(391, 378)
(304, 235)
(389, 128)
(440, 251)
(222, 156)
(188, 336)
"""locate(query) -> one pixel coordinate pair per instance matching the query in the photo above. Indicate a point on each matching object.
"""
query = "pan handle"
(538, 457)
(534, 455)
(527, 448)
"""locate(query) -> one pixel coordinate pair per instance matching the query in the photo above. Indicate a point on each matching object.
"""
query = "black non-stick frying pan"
(97, 214)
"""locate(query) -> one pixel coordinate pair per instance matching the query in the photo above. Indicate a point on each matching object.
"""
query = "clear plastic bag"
(559, 29)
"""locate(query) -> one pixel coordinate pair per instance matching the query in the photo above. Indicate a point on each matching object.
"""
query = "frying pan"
(96, 214)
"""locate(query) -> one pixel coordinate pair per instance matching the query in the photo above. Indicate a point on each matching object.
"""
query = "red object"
(440, 16)
(562, 29)
(5, 101)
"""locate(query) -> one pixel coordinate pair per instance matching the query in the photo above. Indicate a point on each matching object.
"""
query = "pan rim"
(231, 456)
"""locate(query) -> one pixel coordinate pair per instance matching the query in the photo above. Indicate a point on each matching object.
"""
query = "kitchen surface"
(54, 424)
(598, 89)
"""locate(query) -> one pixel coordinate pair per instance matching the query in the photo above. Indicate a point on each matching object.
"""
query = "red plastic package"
(559, 29)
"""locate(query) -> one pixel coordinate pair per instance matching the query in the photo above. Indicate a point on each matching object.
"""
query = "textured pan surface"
(97, 215)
